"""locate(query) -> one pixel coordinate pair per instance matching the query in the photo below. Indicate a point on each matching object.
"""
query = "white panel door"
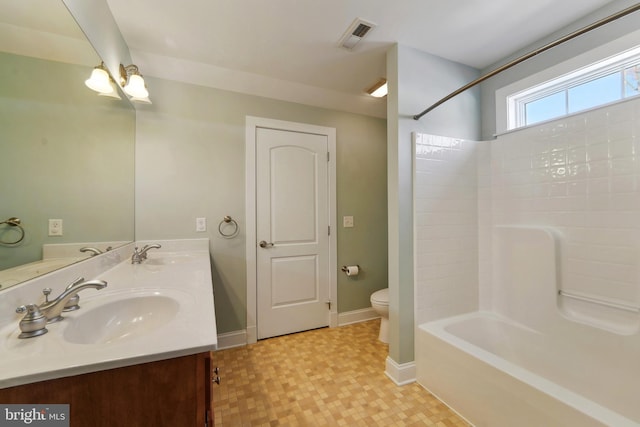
(292, 224)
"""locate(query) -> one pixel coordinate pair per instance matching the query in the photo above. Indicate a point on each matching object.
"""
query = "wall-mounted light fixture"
(101, 82)
(379, 89)
(133, 84)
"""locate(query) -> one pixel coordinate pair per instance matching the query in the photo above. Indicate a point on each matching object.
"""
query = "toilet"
(380, 303)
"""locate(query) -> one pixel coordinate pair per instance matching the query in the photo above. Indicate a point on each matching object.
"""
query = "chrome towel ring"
(228, 222)
(13, 222)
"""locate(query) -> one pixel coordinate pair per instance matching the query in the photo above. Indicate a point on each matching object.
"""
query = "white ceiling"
(287, 49)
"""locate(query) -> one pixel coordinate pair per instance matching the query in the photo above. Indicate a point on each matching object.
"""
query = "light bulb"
(99, 81)
(135, 87)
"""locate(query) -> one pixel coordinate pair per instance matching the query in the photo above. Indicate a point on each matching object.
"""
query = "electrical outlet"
(55, 227)
(347, 221)
(201, 224)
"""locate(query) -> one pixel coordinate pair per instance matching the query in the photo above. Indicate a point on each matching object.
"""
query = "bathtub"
(496, 372)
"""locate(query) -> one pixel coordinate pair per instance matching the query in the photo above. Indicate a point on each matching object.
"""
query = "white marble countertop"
(179, 271)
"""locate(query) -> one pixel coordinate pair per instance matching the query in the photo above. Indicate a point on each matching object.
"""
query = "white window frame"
(618, 63)
(506, 112)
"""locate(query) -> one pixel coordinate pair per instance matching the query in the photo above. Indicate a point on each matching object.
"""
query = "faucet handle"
(73, 304)
(32, 310)
(33, 323)
(135, 258)
(46, 292)
(25, 308)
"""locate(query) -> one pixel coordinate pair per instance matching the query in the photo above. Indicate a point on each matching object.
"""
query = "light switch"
(347, 221)
(201, 224)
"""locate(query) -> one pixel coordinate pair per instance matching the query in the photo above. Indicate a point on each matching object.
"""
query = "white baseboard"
(356, 316)
(252, 334)
(334, 319)
(232, 339)
(401, 374)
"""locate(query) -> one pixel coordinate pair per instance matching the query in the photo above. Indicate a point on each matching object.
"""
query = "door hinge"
(329, 304)
(328, 230)
(328, 156)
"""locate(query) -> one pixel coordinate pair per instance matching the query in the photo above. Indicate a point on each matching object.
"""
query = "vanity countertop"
(180, 320)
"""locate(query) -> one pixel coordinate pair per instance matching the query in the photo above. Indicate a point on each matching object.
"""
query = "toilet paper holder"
(344, 267)
(349, 270)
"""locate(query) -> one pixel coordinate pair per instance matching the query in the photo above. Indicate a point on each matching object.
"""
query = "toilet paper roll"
(352, 270)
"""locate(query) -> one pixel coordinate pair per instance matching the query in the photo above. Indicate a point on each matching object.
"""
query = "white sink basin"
(121, 319)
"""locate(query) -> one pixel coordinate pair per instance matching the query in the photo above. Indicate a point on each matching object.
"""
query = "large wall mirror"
(65, 152)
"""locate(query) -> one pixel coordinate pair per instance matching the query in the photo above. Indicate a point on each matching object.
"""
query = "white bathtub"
(496, 372)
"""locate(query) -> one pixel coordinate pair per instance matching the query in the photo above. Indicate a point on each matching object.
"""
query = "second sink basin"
(121, 319)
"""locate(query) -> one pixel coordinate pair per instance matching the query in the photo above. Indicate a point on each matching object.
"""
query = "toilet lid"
(381, 296)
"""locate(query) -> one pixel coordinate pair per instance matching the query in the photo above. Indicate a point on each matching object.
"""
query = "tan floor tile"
(325, 377)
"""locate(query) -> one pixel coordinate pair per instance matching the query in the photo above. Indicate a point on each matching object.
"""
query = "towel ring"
(228, 220)
(13, 222)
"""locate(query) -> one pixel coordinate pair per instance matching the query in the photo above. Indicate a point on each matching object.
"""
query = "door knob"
(264, 244)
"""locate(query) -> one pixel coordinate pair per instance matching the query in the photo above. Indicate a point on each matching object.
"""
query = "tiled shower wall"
(579, 176)
(446, 227)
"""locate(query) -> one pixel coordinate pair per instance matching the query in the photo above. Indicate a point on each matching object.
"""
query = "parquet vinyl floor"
(324, 377)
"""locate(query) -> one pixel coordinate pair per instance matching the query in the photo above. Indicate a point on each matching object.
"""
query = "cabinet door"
(172, 392)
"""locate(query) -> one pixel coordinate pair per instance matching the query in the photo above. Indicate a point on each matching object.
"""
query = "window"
(610, 80)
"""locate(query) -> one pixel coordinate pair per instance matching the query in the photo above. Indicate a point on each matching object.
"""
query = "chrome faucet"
(34, 322)
(52, 309)
(94, 251)
(140, 255)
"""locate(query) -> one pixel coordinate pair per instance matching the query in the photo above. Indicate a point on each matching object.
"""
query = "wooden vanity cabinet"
(174, 393)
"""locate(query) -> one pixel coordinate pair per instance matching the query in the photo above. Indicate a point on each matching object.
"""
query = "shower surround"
(539, 229)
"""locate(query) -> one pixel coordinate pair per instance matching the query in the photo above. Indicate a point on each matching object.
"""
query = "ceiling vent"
(356, 32)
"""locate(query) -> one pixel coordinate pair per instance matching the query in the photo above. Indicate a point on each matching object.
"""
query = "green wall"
(64, 153)
(190, 163)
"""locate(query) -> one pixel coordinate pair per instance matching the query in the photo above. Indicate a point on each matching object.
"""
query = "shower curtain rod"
(531, 54)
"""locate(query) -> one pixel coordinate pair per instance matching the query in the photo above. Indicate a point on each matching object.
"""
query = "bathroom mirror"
(65, 153)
